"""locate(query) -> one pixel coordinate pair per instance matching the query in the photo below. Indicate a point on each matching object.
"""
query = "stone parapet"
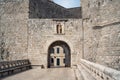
(100, 72)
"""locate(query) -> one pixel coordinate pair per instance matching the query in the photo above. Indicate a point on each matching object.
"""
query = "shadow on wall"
(4, 51)
(48, 9)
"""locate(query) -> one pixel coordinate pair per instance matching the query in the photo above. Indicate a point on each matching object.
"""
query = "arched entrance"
(59, 55)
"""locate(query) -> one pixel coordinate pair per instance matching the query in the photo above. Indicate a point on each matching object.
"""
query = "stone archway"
(59, 55)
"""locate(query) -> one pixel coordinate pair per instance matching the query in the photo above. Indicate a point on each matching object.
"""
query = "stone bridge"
(85, 70)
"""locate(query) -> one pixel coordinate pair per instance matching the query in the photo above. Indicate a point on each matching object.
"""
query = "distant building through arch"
(61, 57)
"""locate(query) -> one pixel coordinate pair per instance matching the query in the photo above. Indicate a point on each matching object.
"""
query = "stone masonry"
(94, 37)
(101, 22)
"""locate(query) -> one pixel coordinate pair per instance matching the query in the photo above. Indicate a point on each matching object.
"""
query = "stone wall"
(42, 33)
(97, 35)
(26, 37)
(101, 31)
(13, 26)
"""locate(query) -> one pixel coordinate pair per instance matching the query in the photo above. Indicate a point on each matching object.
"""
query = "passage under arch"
(60, 56)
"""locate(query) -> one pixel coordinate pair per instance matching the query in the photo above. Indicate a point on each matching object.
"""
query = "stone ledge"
(105, 70)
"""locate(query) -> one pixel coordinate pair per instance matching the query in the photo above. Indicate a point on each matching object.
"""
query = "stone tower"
(101, 31)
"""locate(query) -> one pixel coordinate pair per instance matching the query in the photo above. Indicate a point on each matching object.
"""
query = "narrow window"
(59, 28)
(98, 4)
(64, 60)
(58, 50)
(58, 61)
(52, 60)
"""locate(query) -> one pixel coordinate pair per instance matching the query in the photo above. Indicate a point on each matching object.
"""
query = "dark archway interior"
(66, 51)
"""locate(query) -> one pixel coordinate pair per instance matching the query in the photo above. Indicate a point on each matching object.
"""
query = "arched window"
(59, 28)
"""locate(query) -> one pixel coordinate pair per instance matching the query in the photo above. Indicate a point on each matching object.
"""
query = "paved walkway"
(46, 74)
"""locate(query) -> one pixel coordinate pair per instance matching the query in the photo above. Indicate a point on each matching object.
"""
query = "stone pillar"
(55, 62)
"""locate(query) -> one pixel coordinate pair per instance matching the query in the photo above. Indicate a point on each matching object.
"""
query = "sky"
(68, 3)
